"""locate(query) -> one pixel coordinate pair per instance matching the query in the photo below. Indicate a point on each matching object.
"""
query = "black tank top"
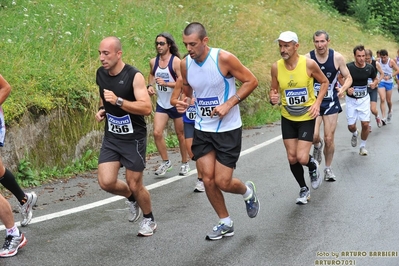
(120, 124)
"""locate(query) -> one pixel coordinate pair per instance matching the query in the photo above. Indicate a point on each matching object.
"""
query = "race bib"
(191, 113)
(329, 92)
(206, 105)
(296, 96)
(387, 76)
(119, 125)
(165, 77)
(359, 91)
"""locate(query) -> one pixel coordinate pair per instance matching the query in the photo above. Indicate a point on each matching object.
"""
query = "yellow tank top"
(296, 90)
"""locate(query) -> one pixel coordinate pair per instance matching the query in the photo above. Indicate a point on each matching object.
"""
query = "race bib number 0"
(359, 91)
(119, 125)
(296, 96)
(191, 113)
(206, 105)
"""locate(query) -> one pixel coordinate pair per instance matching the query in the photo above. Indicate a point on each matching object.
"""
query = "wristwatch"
(119, 102)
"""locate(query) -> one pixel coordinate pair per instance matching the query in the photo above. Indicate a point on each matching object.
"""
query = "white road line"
(116, 198)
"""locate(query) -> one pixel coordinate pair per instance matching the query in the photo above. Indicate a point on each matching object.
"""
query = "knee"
(158, 134)
(106, 184)
(329, 141)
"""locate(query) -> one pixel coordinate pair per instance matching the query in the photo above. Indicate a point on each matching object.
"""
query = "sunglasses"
(160, 43)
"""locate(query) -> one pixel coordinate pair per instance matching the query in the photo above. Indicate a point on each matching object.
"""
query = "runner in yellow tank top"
(292, 81)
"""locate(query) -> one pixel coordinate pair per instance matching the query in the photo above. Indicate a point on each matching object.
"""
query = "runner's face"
(360, 57)
(287, 49)
(162, 45)
(108, 55)
(368, 59)
(195, 46)
(384, 59)
(320, 44)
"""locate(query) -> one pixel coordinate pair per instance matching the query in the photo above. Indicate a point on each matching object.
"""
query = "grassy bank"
(50, 48)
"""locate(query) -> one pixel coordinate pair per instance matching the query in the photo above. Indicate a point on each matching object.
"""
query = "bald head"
(113, 43)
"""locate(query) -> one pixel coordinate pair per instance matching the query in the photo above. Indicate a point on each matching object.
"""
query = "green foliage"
(172, 141)
(265, 114)
(27, 177)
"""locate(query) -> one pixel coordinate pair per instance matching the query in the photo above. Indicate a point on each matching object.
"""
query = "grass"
(49, 47)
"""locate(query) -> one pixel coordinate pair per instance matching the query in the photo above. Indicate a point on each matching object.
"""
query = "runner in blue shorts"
(330, 63)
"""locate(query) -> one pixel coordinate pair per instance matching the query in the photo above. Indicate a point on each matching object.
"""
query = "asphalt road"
(352, 221)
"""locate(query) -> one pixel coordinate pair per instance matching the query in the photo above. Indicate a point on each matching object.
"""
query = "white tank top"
(164, 93)
(211, 89)
(387, 71)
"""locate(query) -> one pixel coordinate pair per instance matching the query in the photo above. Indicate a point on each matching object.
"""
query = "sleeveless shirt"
(386, 68)
(296, 88)
(168, 75)
(211, 89)
(120, 124)
(329, 70)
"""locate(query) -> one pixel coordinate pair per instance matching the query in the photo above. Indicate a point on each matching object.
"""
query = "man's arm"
(151, 79)
(5, 89)
(315, 72)
(394, 67)
(230, 65)
(345, 74)
(273, 93)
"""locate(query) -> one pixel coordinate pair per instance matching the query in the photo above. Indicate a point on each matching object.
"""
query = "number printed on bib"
(359, 91)
(191, 113)
(296, 96)
(165, 77)
(119, 125)
(329, 91)
(206, 105)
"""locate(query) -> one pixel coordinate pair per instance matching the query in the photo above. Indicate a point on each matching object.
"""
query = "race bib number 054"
(119, 125)
(296, 96)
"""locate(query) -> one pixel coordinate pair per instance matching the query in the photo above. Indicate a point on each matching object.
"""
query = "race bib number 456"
(296, 96)
(119, 125)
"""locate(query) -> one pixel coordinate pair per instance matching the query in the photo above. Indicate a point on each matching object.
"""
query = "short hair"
(358, 48)
(320, 32)
(170, 41)
(195, 27)
(369, 52)
(383, 52)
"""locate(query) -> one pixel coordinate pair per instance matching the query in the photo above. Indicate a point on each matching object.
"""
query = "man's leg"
(382, 93)
(160, 121)
(108, 179)
(330, 124)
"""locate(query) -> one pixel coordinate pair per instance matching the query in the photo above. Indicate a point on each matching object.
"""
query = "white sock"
(248, 194)
(226, 220)
(355, 133)
(12, 231)
(363, 143)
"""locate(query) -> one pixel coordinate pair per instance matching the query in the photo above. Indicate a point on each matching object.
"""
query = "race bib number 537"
(119, 125)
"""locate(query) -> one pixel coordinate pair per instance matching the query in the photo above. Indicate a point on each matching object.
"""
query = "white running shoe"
(26, 209)
(363, 151)
(329, 175)
(184, 169)
(163, 168)
(354, 139)
(314, 175)
(304, 196)
(199, 186)
(317, 152)
(135, 211)
(12, 244)
(147, 227)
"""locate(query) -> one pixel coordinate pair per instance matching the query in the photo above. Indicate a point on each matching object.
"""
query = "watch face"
(119, 101)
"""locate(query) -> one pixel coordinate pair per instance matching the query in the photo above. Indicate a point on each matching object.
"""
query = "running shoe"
(252, 203)
(363, 151)
(317, 152)
(379, 121)
(199, 187)
(26, 208)
(166, 166)
(354, 139)
(384, 123)
(304, 196)
(329, 175)
(135, 211)
(12, 244)
(389, 118)
(184, 169)
(221, 230)
(314, 175)
(147, 227)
